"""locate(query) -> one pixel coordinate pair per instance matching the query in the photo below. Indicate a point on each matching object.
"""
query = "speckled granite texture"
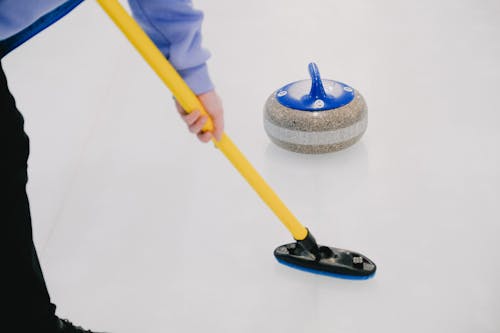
(315, 132)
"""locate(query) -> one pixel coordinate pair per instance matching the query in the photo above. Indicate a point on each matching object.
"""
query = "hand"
(195, 121)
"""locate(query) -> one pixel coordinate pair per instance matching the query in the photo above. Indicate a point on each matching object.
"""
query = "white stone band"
(316, 138)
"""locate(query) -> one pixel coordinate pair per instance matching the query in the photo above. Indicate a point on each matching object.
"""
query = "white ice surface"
(142, 229)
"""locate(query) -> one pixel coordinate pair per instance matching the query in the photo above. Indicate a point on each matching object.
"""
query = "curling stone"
(315, 116)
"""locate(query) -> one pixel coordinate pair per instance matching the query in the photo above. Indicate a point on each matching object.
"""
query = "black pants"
(24, 294)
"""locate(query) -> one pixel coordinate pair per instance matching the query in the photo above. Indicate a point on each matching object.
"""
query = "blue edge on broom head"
(340, 276)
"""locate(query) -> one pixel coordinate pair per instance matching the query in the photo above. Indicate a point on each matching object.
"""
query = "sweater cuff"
(197, 79)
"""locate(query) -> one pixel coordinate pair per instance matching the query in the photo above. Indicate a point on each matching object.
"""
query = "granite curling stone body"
(315, 116)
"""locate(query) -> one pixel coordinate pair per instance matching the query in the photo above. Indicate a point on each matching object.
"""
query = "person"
(174, 26)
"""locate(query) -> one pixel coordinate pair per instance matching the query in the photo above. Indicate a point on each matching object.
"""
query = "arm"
(175, 27)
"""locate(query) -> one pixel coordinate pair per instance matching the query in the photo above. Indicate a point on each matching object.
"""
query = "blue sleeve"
(175, 27)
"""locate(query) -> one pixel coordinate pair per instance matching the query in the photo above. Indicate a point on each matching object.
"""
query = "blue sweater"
(173, 25)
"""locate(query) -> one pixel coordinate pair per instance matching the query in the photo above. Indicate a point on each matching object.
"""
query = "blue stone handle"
(295, 95)
(317, 89)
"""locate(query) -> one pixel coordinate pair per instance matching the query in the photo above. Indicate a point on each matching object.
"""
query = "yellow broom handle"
(188, 100)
